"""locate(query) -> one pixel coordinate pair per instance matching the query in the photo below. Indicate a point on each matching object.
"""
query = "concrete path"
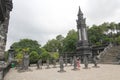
(105, 72)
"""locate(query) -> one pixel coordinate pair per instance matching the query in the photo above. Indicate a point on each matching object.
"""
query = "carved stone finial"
(80, 12)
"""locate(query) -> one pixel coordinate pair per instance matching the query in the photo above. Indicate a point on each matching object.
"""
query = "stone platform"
(105, 72)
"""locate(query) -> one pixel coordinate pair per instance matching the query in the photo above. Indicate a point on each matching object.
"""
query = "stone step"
(111, 55)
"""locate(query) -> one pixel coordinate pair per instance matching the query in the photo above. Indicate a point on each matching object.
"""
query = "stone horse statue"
(5, 8)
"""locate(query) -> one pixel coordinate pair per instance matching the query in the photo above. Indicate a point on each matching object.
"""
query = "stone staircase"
(109, 55)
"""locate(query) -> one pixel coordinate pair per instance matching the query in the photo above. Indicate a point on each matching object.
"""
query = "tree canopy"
(97, 35)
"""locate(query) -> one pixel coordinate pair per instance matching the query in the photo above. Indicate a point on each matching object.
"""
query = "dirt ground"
(105, 72)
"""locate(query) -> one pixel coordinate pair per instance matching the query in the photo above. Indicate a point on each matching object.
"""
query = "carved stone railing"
(101, 54)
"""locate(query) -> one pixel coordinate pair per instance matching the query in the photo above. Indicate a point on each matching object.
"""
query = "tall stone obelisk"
(83, 48)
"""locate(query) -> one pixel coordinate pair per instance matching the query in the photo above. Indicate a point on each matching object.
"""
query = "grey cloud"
(42, 20)
(102, 10)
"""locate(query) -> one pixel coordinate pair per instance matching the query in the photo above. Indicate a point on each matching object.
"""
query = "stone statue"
(65, 61)
(5, 8)
(11, 55)
(75, 63)
(54, 63)
(39, 64)
(26, 61)
(47, 63)
(85, 60)
(61, 62)
(71, 61)
(95, 61)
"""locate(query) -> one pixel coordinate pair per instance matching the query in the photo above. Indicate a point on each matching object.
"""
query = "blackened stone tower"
(83, 48)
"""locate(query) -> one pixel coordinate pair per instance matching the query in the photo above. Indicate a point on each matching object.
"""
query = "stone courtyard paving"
(105, 72)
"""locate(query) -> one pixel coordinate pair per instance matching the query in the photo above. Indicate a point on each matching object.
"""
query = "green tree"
(51, 45)
(44, 54)
(96, 35)
(27, 45)
(69, 43)
(55, 55)
(34, 56)
(60, 39)
(32, 45)
(54, 45)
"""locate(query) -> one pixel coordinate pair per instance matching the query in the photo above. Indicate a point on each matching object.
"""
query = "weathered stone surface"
(25, 62)
(75, 63)
(11, 54)
(61, 62)
(71, 61)
(54, 63)
(39, 64)
(5, 8)
(47, 63)
(83, 48)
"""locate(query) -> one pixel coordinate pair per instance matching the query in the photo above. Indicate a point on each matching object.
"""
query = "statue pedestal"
(96, 66)
(61, 71)
(84, 51)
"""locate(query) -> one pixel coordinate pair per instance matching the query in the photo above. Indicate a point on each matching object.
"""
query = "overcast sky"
(43, 20)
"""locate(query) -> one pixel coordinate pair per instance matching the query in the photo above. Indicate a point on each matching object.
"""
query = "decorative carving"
(5, 8)
(83, 48)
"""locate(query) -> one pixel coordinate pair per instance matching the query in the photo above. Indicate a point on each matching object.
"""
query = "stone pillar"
(79, 33)
(84, 34)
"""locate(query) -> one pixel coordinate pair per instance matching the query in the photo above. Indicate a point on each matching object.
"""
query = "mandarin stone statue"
(11, 55)
(95, 61)
(26, 61)
(75, 63)
(39, 64)
(47, 63)
(54, 63)
(66, 61)
(61, 62)
(71, 61)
